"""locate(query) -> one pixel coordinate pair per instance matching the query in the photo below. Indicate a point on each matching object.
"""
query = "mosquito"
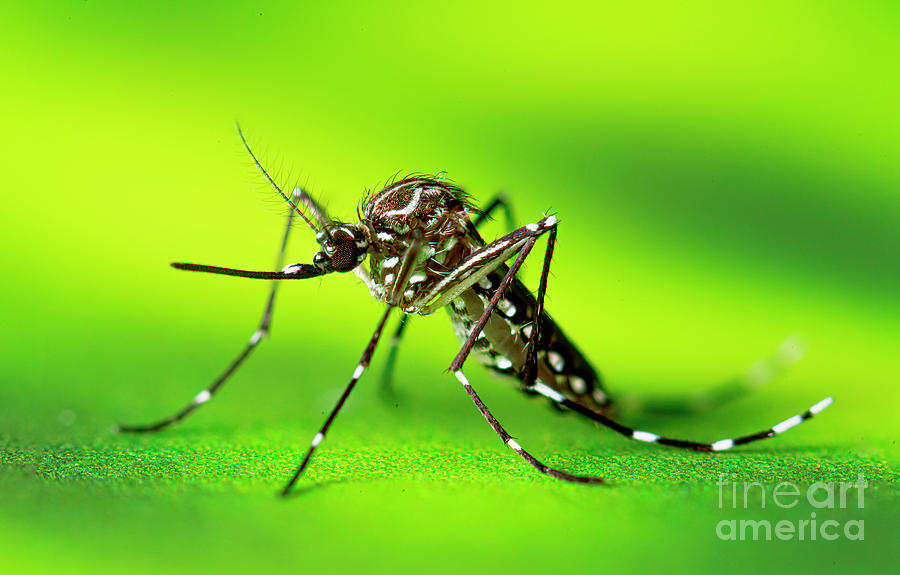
(420, 237)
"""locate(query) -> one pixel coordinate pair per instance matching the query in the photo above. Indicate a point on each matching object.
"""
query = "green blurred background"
(725, 177)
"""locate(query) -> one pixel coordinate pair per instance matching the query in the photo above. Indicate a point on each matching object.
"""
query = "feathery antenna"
(272, 181)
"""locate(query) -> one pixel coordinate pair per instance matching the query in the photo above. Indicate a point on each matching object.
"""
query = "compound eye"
(345, 256)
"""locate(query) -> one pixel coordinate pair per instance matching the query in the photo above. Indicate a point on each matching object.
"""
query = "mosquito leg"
(463, 354)
(508, 440)
(646, 436)
(357, 373)
(401, 280)
(261, 332)
(459, 360)
(563, 401)
(499, 201)
(404, 272)
(387, 376)
(535, 339)
(788, 353)
(524, 237)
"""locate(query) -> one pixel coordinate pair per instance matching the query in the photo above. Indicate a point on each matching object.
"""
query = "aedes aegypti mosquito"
(425, 253)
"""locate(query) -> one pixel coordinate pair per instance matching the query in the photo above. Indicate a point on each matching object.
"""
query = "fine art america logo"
(818, 498)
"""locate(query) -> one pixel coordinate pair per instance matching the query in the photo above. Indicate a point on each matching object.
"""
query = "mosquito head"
(344, 247)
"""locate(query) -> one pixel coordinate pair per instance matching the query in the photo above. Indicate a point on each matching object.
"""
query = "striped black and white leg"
(262, 331)
(357, 373)
(760, 373)
(513, 444)
(459, 360)
(387, 375)
(404, 271)
(530, 374)
(648, 437)
(788, 353)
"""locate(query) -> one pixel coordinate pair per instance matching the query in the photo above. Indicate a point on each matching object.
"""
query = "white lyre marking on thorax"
(410, 207)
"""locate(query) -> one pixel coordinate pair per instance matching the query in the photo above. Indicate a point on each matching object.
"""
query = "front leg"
(261, 332)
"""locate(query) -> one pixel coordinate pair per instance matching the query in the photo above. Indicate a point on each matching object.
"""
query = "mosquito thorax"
(433, 211)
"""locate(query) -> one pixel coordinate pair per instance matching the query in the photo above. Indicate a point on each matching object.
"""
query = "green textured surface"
(724, 178)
